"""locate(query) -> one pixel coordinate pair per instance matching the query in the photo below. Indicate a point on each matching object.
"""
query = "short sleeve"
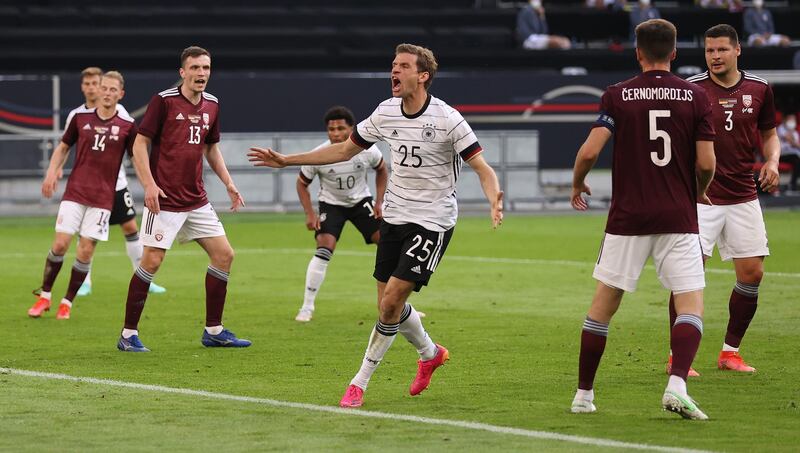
(130, 139)
(461, 135)
(766, 118)
(374, 157)
(213, 133)
(366, 132)
(71, 131)
(606, 116)
(307, 173)
(704, 130)
(153, 118)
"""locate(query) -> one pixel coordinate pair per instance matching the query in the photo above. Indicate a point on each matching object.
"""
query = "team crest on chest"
(747, 100)
(205, 120)
(114, 133)
(428, 132)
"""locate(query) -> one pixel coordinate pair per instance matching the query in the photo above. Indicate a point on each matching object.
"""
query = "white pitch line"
(474, 259)
(475, 426)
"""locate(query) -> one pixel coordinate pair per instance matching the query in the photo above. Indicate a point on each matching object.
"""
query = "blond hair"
(426, 61)
(91, 71)
(116, 76)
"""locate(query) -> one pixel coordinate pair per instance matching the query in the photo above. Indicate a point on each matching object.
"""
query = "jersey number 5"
(656, 133)
(194, 135)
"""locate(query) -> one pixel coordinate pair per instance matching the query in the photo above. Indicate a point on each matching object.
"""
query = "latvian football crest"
(747, 100)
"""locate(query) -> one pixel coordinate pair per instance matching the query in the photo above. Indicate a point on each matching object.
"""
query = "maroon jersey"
(656, 119)
(180, 131)
(101, 147)
(740, 112)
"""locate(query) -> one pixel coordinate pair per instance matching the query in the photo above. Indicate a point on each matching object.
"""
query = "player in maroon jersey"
(744, 115)
(663, 163)
(102, 135)
(181, 126)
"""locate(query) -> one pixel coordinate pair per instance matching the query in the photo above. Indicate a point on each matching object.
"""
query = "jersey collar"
(421, 111)
(732, 87)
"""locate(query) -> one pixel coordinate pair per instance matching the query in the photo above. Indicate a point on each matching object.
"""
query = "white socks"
(127, 333)
(315, 275)
(411, 328)
(216, 330)
(677, 385)
(586, 395)
(66, 302)
(134, 249)
(47, 294)
(727, 348)
(377, 347)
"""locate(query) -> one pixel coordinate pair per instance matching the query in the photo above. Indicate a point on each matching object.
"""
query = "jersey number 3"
(656, 133)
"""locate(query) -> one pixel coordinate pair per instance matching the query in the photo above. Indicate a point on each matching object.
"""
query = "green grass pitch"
(512, 324)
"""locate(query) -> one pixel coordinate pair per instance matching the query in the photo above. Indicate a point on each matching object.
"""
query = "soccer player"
(429, 140)
(181, 126)
(663, 163)
(103, 135)
(343, 195)
(744, 115)
(123, 212)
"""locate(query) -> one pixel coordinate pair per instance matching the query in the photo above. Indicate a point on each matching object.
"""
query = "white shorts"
(737, 229)
(535, 42)
(86, 221)
(678, 260)
(160, 230)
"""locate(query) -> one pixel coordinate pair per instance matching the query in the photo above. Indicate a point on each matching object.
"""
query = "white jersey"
(344, 183)
(122, 179)
(428, 149)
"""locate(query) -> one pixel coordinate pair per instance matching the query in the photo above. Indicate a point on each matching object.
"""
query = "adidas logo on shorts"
(416, 269)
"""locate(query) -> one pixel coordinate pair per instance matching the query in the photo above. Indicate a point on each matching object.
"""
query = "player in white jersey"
(123, 212)
(343, 195)
(429, 140)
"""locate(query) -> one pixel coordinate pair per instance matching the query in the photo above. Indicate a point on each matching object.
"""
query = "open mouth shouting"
(395, 85)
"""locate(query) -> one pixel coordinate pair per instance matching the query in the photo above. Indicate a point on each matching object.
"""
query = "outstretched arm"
(57, 161)
(490, 186)
(217, 163)
(331, 154)
(584, 161)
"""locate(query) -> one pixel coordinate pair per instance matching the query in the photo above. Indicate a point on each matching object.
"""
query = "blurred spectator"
(790, 147)
(606, 4)
(731, 5)
(643, 12)
(760, 28)
(532, 29)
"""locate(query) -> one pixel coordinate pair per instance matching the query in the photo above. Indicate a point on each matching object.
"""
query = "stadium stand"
(350, 35)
